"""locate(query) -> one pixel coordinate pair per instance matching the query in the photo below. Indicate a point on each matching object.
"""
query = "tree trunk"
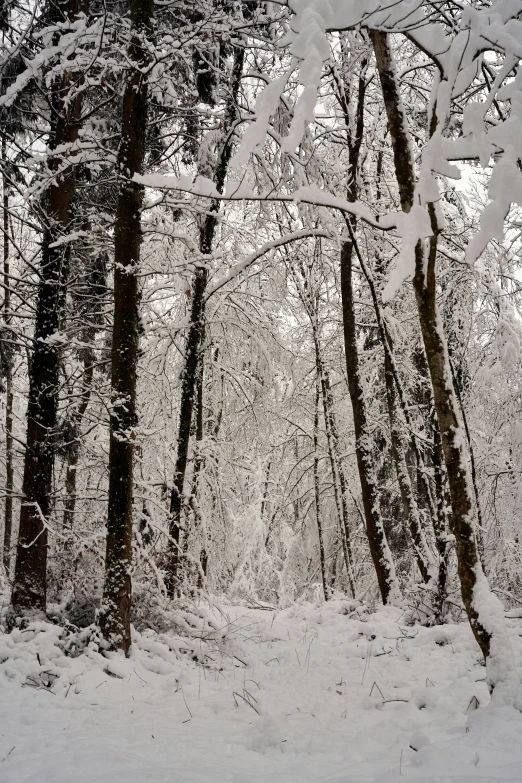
(310, 300)
(196, 333)
(488, 625)
(343, 484)
(440, 520)
(338, 475)
(317, 492)
(115, 611)
(72, 461)
(432, 483)
(393, 386)
(480, 525)
(379, 549)
(9, 467)
(29, 587)
(264, 500)
(188, 388)
(196, 478)
(409, 501)
(94, 295)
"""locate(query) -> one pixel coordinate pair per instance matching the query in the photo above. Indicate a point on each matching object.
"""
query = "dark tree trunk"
(115, 612)
(317, 493)
(435, 345)
(338, 475)
(310, 300)
(212, 426)
(393, 387)
(196, 333)
(440, 525)
(92, 298)
(379, 548)
(480, 524)
(409, 501)
(196, 478)
(72, 460)
(343, 484)
(29, 587)
(9, 466)
(199, 429)
(188, 388)
(432, 480)
(264, 501)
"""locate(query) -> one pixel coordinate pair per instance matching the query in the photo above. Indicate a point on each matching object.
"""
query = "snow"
(266, 106)
(240, 267)
(307, 194)
(501, 667)
(412, 226)
(309, 693)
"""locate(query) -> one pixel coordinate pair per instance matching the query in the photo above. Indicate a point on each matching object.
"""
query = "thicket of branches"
(260, 328)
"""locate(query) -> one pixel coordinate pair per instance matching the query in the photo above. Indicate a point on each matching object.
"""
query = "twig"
(376, 686)
(186, 705)
(234, 694)
(387, 701)
(140, 678)
(6, 757)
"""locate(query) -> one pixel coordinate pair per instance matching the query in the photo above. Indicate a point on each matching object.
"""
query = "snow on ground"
(304, 694)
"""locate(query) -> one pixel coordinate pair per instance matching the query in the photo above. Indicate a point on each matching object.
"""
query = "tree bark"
(9, 465)
(409, 501)
(199, 461)
(440, 520)
(379, 549)
(317, 492)
(72, 461)
(93, 294)
(480, 524)
(29, 587)
(310, 300)
(393, 386)
(338, 474)
(115, 611)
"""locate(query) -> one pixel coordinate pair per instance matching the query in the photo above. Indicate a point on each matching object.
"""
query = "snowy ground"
(302, 695)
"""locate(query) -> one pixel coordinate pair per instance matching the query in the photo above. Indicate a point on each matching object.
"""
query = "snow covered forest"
(261, 389)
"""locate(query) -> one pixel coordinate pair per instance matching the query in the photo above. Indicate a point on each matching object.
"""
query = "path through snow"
(339, 699)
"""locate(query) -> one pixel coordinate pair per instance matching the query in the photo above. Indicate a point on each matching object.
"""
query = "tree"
(472, 580)
(196, 333)
(29, 587)
(115, 612)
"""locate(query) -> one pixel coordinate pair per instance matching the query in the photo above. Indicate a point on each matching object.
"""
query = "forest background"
(256, 339)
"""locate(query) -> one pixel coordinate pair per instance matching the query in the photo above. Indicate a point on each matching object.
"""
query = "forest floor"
(304, 694)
